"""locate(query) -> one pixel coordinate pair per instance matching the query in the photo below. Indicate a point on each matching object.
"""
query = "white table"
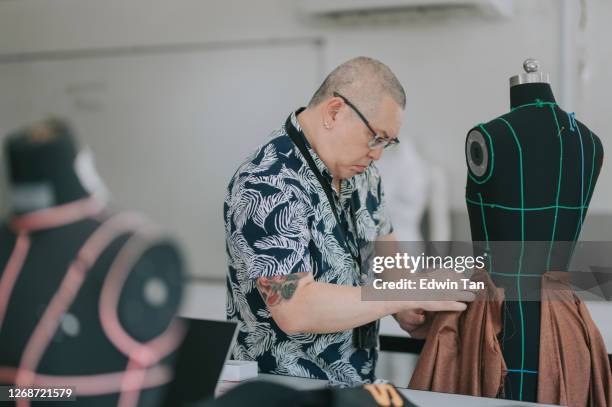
(420, 398)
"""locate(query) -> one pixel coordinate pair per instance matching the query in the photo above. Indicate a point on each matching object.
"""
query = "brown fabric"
(462, 353)
(574, 366)
(458, 344)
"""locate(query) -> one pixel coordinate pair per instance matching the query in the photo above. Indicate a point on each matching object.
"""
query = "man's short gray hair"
(363, 81)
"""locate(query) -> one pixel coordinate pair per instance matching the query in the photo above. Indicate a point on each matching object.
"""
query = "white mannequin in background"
(410, 182)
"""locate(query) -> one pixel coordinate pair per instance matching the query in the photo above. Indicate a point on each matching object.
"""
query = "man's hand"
(414, 321)
(417, 319)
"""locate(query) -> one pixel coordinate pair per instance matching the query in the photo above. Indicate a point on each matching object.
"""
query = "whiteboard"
(168, 128)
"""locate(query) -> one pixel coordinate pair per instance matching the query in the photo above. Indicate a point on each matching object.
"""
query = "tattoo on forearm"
(277, 289)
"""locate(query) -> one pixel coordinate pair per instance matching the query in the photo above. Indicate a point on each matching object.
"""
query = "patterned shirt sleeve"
(383, 224)
(271, 230)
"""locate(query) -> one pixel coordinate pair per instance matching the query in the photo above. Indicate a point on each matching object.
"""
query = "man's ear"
(330, 111)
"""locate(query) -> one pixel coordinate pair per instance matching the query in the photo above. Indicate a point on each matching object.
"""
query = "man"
(294, 229)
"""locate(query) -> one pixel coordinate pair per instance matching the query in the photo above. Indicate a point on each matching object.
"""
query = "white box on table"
(238, 370)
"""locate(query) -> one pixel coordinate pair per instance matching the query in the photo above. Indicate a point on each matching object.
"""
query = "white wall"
(593, 90)
(455, 68)
(169, 128)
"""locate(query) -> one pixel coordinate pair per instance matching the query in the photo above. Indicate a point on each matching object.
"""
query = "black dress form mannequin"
(531, 176)
(85, 294)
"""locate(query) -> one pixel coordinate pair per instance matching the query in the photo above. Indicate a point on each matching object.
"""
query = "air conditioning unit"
(500, 8)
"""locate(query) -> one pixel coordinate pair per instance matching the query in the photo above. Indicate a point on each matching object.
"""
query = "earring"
(326, 125)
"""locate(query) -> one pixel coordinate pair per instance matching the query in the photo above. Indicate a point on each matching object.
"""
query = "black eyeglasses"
(377, 141)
